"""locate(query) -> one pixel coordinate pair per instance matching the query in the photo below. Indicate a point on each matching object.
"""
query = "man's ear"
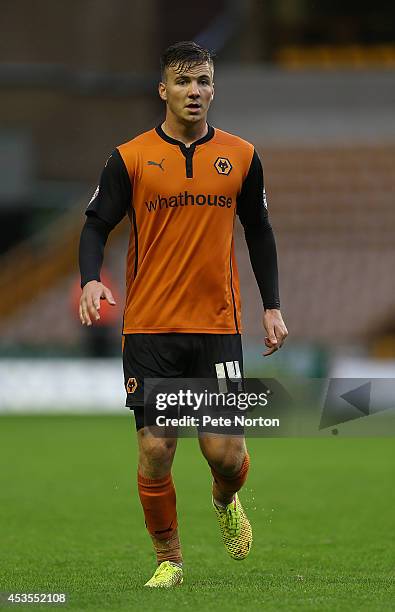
(162, 91)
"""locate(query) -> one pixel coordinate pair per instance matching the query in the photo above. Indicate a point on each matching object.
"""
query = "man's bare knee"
(157, 450)
(225, 457)
(228, 464)
(155, 455)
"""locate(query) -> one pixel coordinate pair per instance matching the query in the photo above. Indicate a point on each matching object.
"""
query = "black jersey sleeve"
(113, 195)
(92, 242)
(253, 214)
(107, 207)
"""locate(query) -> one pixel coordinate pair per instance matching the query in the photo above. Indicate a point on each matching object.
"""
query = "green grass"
(71, 522)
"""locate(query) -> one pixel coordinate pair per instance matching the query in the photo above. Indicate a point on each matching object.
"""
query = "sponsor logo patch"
(189, 199)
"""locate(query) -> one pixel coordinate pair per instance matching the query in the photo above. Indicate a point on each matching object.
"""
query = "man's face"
(188, 93)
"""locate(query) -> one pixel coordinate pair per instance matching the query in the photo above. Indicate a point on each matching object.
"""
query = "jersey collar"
(207, 137)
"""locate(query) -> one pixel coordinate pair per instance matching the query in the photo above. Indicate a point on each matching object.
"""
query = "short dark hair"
(184, 55)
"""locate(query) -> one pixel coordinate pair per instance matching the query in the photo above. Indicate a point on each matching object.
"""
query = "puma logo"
(154, 163)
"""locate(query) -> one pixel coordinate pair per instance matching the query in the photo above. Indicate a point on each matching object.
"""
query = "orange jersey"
(181, 268)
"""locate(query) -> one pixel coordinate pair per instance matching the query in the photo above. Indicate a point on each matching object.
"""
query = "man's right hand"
(92, 293)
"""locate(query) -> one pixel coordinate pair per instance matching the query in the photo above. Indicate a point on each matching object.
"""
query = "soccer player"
(181, 184)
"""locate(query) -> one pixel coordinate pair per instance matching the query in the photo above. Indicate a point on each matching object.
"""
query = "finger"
(92, 308)
(82, 310)
(272, 347)
(93, 312)
(85, 315)
(279, 341)
(109, 297)
(270, 351)
(81, 315)
(272, 335)
(281, 333)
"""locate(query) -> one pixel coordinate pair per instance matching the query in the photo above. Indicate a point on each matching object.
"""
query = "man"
(181, 185)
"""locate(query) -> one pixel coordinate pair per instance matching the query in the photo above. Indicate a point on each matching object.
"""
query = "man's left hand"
(275, 329)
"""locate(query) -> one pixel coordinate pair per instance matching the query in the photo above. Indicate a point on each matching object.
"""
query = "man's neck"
(185, 133)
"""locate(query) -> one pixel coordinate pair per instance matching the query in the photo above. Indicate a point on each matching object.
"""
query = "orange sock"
(158, 498)
(229, 485)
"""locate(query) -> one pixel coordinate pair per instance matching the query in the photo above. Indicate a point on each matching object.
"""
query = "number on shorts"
(230, 370)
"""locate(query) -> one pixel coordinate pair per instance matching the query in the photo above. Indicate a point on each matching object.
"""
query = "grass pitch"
(321, 509)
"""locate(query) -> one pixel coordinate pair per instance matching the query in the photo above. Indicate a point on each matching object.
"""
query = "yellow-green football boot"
(166, 576)
(235, 528)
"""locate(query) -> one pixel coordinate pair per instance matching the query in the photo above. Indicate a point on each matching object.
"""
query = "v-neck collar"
(186, 151)
(205, 138)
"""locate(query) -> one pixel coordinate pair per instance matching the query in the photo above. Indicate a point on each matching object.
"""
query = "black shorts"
(174, 355)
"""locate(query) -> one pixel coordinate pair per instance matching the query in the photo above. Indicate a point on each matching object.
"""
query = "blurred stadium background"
(311, 84)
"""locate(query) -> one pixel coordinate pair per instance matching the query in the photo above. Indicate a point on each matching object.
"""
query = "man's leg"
(159, 356)
(157, 494)
(229, 462)
(221, 355)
